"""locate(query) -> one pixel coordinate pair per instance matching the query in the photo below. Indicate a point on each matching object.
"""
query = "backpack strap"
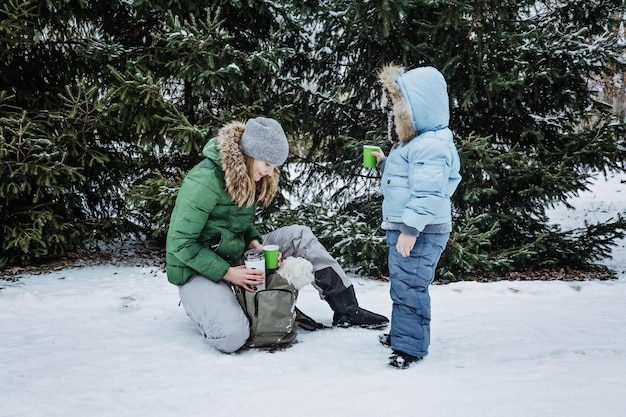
(307, 323)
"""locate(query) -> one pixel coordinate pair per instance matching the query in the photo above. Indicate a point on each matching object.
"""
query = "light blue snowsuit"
(419, 176)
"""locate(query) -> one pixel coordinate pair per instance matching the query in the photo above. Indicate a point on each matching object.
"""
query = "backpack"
(271, 312)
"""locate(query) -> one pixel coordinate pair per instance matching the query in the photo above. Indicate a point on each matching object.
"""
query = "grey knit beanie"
(265, 139)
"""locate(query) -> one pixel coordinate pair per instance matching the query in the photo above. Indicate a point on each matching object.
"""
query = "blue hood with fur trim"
(426, 93)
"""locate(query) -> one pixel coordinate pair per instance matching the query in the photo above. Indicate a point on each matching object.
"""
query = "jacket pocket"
(397, 192)
(395, 184)
(230, 245)
(428, 176)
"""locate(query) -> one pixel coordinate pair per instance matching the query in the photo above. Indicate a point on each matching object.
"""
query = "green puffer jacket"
(208, 231)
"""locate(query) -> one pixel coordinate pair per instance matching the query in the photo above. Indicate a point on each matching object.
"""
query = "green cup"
(369, 160)
(271, 256)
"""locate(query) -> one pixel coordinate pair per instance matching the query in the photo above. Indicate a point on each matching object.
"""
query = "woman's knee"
(232, 339)
(215, 311)
(293, 240)
(226, 333)
(304, 230)
(294, 231)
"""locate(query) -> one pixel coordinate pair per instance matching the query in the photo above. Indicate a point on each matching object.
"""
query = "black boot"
(402, 360)
(348, 313)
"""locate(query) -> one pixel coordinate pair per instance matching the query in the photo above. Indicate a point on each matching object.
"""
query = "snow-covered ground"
(113, 341)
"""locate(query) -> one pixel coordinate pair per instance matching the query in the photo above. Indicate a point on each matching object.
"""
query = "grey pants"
(300, 241)
(216, 313)
(214, 309)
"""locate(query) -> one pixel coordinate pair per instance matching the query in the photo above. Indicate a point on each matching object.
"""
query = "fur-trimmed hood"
(417, 99)
(225, 151)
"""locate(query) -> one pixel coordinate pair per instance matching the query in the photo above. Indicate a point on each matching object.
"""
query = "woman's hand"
(405, 244)
(255, 244)
(244, 277)
(280, 259)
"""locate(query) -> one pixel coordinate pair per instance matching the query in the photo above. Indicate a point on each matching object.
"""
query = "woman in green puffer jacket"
(212, 224)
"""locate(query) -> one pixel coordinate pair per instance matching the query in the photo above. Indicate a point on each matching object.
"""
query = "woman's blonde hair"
(265, 189)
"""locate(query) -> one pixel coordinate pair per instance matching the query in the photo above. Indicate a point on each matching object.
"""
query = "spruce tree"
(104, 105)
(62, 163)
(134, 89)
(525, 85)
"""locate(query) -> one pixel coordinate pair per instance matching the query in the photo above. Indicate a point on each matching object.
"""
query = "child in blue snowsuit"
(418, 178)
